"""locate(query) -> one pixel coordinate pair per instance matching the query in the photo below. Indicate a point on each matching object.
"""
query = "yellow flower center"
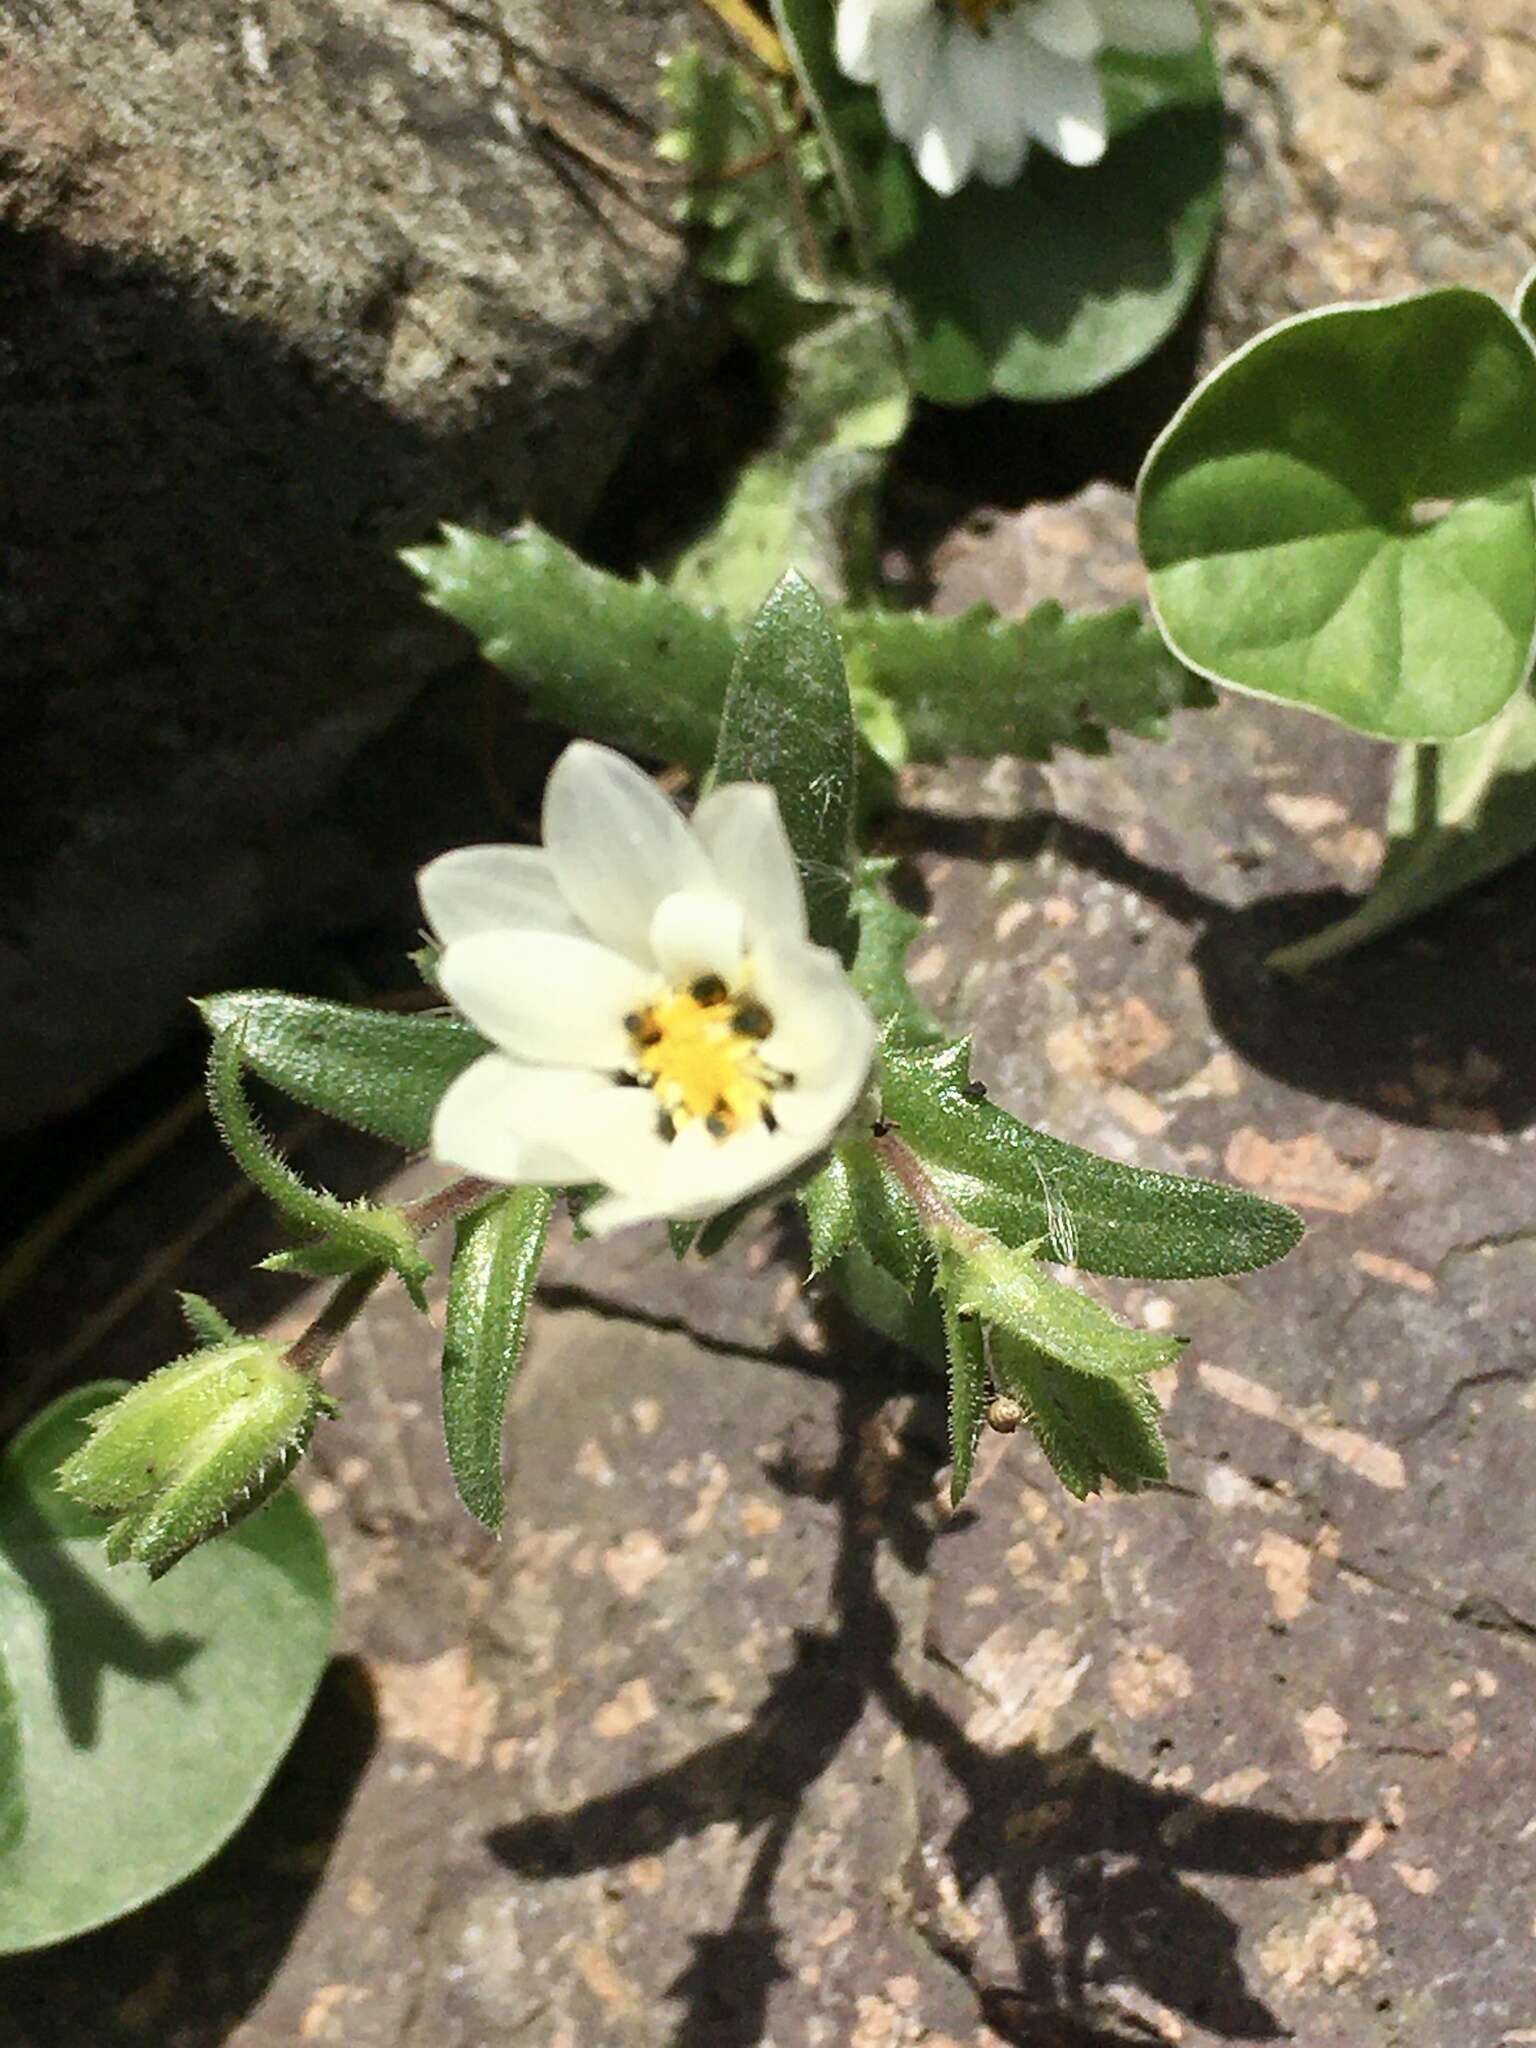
(698, 1049)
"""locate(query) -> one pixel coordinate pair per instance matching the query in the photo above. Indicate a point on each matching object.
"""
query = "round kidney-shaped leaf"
(1342, 517)
(139, 1722)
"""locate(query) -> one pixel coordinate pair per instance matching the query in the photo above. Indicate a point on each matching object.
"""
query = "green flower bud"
(198, 1445)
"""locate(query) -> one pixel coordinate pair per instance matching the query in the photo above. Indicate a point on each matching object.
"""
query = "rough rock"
(739, 1738)
(284, 285)
(1377, 147)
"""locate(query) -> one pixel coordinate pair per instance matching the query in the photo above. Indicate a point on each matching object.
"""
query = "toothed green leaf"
(1090, 1429)
(206, 1322)
(1085, 1211)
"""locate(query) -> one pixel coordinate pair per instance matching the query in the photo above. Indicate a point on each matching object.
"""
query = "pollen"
(698, 1049)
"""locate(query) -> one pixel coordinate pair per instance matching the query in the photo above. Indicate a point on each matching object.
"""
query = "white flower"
(968, 84)
(663, 1024)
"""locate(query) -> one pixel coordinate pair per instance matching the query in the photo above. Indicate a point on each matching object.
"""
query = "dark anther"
(880, 1128)
(666, 1129)
(975, 1091)
(709, 989)
(717, 1126)
(770, 1121)
(751, 1020)
(632, 1023)
(625, 1079)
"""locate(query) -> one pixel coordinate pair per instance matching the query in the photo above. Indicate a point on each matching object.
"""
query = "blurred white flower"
(969, 84)
(663, 1024)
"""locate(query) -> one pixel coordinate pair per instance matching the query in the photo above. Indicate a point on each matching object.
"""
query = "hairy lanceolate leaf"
(625, 663)
(152, 1716)
(495, 1266)
(965, 1347)
(1009, 1288)
(347, 1239)
(1090, 1428)
(1341, 516)
(1457, 814)
(879, 970)
(1081, 1209)
(855, 1199)
(369, 1068)
(208, 1324)
(915, 1323)
(788, 722)
(977, 684)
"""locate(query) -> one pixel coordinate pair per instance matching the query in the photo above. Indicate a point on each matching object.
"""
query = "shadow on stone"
(1097, 1895)
(1417, 1027)
(189, 1966)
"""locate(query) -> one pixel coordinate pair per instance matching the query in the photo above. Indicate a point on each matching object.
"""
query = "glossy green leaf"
(151, 1716)
(788, 722)
(1062, 281)
(1341, 516)
(625, 663)
(495, 1268)
(370, 1068)
(349, 1238)
(1090, 1429)
(1457, 814)
(977, 684)
(879, 970)
(1084, 1210)
(1010, 1289)
(965, 1349)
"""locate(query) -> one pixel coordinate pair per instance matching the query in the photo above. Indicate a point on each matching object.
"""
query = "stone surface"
(284, 286)
(1377, 146)
(739, 1739)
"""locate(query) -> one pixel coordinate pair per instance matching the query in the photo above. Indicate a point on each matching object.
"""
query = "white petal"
(545, 997)
(1060, 102)
(854, 56)
(1002, 163)
(985, 86)
(946, 148)
(492, 888)
(699, 1177)
(905, 60)
(822, 1033)
(693, 935)
(1150, 27)
(1069, 27)
(744, 836)
(507, 1121)
(617, 845)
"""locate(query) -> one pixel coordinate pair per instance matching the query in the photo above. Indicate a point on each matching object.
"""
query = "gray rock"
(1377, 147)
(284, 286)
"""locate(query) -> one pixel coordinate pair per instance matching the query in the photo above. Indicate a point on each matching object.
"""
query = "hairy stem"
(309, 1351)
(940, 1218)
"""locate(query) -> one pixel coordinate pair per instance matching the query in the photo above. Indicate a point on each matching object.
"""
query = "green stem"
(309, 1351)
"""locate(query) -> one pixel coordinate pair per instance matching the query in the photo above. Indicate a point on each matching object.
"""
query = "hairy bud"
(198, 1445)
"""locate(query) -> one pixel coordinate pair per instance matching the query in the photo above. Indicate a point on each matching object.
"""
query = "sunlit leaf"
(151, 1715)
(1341, 516)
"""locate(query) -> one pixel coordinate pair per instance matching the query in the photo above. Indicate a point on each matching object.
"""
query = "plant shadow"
(191, 1964)
(1423, 1026)
(1096, 1892)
